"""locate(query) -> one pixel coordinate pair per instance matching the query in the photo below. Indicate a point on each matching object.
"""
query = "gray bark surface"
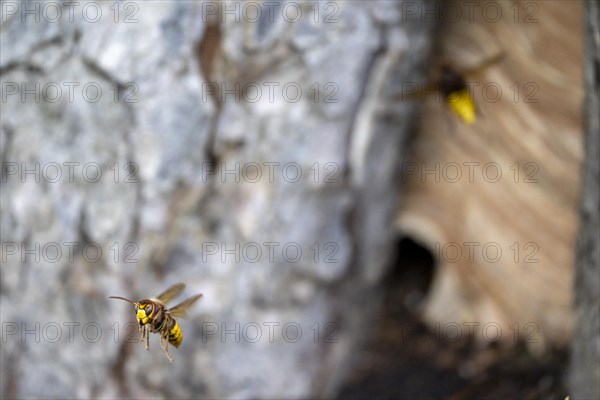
(171, 208)
(585, 363)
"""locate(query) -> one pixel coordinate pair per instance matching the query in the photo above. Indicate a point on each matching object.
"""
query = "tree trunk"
(585, 363)
(175, 172)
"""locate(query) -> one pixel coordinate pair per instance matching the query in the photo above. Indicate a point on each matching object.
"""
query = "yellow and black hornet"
(154, 317)
(452, 84)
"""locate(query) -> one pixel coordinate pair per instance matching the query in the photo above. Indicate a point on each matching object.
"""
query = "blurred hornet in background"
(153, 316)
(452, 85)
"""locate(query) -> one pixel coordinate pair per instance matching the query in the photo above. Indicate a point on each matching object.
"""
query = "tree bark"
(585, 363)
(165, 143)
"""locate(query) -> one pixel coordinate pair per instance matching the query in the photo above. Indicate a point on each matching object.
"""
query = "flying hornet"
(452, 84)
(153, 316)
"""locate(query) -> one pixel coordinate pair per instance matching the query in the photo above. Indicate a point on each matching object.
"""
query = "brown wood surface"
(539, 214)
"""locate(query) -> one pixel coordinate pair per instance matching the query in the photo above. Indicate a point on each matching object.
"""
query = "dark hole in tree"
(410, 276)
(409, 359)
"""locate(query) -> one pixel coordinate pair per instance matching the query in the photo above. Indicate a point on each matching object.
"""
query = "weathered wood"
(529, 213)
